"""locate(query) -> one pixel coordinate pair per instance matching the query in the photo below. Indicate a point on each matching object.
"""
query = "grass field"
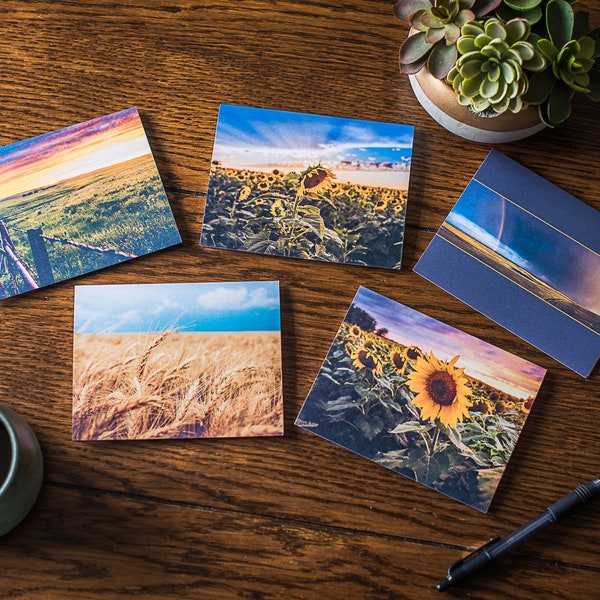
(122, 207)
(177, 385)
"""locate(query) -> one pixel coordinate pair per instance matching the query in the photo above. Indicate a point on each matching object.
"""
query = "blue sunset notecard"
(527, 255)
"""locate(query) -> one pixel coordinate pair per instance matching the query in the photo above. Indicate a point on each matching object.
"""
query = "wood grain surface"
(289, 517)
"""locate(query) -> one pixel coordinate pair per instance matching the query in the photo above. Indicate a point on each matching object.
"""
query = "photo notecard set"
(421, 398)
(178, 360)
(308, 186)
(527, 255)
(77, 200)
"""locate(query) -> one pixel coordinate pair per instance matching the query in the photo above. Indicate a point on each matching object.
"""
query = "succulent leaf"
(414, 48)
(548, 49)
(559, 22)
(506, 13)
(581, 24)
(522, 5)
(594, 84)
(540, 87)
(403, 9)
(441, 60)
(559, 105)
(484, 7)
(516, 29)
(432, 36)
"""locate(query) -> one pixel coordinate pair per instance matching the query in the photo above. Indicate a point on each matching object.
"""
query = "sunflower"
(277, 209)
(440, 389)
(398, 360)
(263, 185)
(364, 357)
(244, 193)
(356, 332)
(526, 406)
(315, 179)
(381, 204)
(412, 353)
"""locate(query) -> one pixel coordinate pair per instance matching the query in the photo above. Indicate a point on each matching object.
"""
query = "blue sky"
(185, 307)
(480, 359)
(263, 139)
(527, 241)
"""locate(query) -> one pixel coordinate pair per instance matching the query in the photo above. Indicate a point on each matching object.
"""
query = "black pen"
(498, 547)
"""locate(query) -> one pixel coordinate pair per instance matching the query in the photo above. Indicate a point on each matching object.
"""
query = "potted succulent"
(499, 70)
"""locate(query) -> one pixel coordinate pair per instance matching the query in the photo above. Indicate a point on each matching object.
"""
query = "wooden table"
(292, 516)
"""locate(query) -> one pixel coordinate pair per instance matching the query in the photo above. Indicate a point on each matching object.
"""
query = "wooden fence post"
(40, 256)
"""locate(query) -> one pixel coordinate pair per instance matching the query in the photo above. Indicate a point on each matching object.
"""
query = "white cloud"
(234, 298)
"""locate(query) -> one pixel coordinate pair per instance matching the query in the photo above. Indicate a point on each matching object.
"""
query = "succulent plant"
(438, 24)
(490, 73)
(572, 50)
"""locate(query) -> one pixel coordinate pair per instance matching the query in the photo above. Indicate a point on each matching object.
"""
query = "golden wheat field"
(177, 385)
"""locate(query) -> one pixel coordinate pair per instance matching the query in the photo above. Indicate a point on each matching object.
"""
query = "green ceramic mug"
(21, 469)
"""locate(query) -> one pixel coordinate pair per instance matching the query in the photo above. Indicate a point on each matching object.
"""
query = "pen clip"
(475, 552)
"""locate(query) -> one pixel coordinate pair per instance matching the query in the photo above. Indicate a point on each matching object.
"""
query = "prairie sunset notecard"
(79, 199)
(421, 398)
(526, 254)
(308, 186)
(180, 360)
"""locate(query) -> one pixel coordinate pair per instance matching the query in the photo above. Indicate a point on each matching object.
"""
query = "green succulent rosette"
(490, 73)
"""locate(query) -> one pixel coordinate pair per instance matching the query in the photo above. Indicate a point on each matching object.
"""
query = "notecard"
(77, 200)
(180, 360)
(526, 254)
(308, 186)
(421, 398)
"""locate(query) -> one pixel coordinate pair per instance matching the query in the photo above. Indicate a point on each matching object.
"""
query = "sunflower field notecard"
(77, 200)
(421, 398)
(180, 360)
(308, 186)
(526, 254)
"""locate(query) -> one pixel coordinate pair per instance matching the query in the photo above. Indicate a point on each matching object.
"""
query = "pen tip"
(443, 585)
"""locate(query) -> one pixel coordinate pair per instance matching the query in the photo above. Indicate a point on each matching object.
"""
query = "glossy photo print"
(181, 360)
(308, 186)
(77, 200)
(421, 398)
(526, 254)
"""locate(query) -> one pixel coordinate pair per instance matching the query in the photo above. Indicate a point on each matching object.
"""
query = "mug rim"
(13, 457)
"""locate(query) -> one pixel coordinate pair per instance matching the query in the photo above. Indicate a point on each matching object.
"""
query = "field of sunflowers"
(415, 414)
(304, 215)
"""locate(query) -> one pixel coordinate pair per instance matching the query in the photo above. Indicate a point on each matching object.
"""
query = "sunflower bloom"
(441, 390)
(244, 193)
(314, 180)
(277, 209)
(398, 360)
(364, 357)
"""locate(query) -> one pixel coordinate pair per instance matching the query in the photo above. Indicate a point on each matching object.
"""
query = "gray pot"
(21, 469)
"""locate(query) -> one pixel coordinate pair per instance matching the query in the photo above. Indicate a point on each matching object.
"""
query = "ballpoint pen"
(497, 547)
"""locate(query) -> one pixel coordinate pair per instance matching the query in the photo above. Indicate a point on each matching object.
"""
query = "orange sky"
(53, 157)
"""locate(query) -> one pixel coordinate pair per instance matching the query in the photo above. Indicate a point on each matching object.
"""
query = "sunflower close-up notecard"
(308, 186)
(421, 398)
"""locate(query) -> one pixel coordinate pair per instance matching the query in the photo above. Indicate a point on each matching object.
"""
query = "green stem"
(294, 215)
(436, 437)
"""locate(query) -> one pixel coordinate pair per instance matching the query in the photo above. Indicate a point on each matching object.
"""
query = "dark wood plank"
(295, 515)
(126, 546)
